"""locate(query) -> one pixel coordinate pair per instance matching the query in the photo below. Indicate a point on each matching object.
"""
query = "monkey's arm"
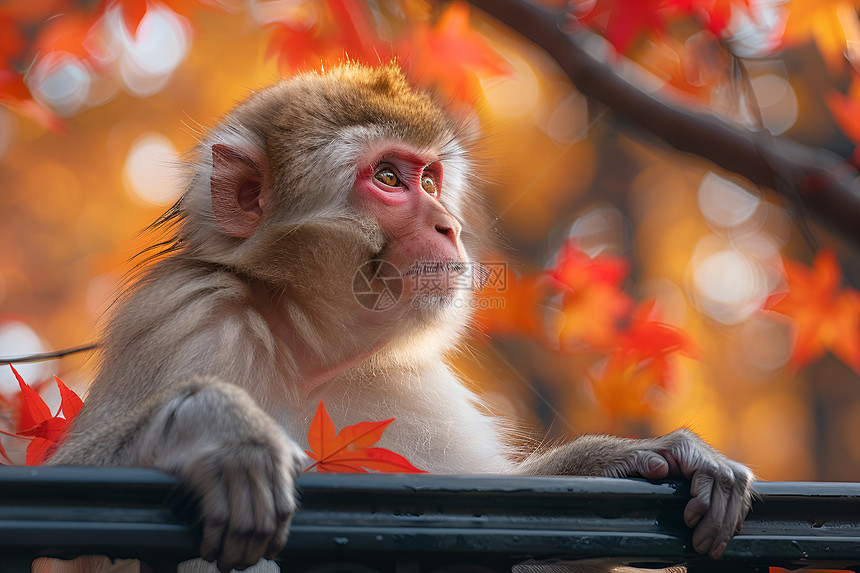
(232, 456)
(721, 489)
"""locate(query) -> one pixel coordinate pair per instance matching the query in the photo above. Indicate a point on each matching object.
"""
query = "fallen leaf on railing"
(350, 451)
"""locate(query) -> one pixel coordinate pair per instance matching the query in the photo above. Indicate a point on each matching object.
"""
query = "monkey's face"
(403, 189)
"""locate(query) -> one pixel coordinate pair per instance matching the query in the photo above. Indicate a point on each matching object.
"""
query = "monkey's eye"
(428, 184)
(388, 177)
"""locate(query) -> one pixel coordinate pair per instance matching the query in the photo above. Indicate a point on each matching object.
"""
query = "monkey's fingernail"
(704, 545)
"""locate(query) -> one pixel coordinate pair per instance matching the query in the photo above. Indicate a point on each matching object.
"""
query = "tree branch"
(820, 180)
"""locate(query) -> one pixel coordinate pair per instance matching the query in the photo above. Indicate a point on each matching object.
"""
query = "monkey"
(213, 361)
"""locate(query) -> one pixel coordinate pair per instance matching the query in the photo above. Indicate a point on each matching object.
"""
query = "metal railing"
(432, 523)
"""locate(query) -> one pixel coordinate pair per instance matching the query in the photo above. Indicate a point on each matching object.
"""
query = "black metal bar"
(423, 522)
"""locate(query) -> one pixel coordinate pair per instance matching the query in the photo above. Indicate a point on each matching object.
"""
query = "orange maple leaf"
(36, 422)
(824, 315)
(593, 302)
(451, 53)
(350, 451)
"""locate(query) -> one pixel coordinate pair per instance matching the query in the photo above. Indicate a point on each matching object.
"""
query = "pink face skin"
(402, 188)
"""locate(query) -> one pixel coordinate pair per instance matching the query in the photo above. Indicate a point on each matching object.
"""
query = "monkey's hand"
(721, 489)
(238, 463)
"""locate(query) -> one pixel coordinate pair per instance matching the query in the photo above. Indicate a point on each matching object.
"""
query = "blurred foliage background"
(647, 289)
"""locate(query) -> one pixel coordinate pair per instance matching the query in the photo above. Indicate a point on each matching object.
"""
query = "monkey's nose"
(450, 228)
(445, 230)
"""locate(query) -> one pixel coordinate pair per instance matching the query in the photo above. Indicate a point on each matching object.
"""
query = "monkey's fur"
(214, 361)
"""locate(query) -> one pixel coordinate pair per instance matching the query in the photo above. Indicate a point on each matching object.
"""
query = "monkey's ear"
(239, 191)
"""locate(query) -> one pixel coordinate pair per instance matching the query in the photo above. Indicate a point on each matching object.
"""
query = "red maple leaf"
(652, 343)
(36, 422)
(348, 32)
(32, 409)
(294, 44)
(350, 451)
(713, 14)
(627, 20)
(593, 302)
(824, 316)
(641, 367)
(577, 270)
(358, 36)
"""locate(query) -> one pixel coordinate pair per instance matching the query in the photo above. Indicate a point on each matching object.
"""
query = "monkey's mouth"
(446, 276)
(437, 268)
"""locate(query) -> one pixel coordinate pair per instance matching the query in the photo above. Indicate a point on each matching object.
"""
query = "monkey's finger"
(284, 499)
(744, 478)
(241, 528)
(650, 465)
(700, 501)
(734, 506)
(214, 515)
(263, 518)
(285, 505)
(213, 534)
(708, 537)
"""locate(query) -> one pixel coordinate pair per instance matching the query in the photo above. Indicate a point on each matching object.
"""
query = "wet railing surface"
(432, 523)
